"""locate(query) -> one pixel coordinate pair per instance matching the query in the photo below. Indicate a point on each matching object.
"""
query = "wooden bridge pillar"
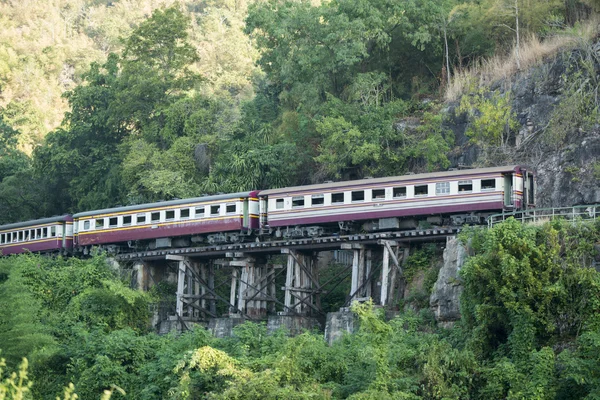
(196, 297)
(362, 270)
(390, 275)
(252, 286)
(302, 291)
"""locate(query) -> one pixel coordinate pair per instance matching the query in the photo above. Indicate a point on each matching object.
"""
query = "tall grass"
(532, 52)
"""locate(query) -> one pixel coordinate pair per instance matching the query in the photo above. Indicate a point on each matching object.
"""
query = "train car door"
(530, 183)
(508, 190)
(246, 221)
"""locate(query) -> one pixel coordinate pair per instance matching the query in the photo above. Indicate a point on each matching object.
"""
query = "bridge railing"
(540, 215)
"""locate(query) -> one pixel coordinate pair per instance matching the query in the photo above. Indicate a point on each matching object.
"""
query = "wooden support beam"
(181, 273)
(289, 282)
(301, 264)
(384, 276)
(368, 267)
(361, 271)
(234, 277)
(355, 265)
(351, 246)
(212, 305)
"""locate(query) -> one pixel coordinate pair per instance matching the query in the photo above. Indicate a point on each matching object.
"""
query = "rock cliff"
(445, 296)
(568, 167)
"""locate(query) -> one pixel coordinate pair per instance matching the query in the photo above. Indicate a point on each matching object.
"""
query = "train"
(454, 198)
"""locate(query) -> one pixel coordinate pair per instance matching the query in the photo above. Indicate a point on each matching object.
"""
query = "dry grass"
(532, 52)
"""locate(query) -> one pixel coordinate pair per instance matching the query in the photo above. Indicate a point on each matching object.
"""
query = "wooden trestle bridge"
(252, 277)
(377, 264)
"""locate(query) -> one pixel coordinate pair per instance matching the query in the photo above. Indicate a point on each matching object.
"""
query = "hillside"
(117, 102)
(170, 100)
(46, 46)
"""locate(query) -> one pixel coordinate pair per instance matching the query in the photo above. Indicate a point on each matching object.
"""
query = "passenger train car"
(41, 235)
(400, 202)
(452, 197)
(221, 218)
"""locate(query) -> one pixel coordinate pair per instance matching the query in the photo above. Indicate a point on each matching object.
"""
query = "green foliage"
(520, 290)
(530, 330)
(16, 386)
(17, 200)
(579, 107)
(155, 71)
(492, 119)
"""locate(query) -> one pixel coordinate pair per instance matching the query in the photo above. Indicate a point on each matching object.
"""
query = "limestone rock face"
(445, 297)
(570, 176)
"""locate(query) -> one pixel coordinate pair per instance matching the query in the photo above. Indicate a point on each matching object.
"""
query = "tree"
(155, 71)
(125, 96)
(79, 159)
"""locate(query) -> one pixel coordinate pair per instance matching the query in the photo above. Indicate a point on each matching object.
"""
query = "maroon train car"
(45, 235)
(215, 219)
(465, 196)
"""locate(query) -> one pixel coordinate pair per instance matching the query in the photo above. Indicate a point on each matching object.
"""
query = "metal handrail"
(544, 214)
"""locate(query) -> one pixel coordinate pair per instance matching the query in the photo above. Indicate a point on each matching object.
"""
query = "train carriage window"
(378, 194)
(45, 232)
(358, 195)
(199, 212)
(399, 191)
(20, 236)
(488, 184)
(155, 216)
(99, 223)
(337, 198)
(140, 219)
(170, 215)
(38, 233)
(2, 238)
(442, 188)
(53, 231)
(421, 190)
(278, 204)
(298, 202)
(126, 220)
(184, 213)
(86, 226)
(230, 208)
(465, 186)
(215, 210)
(113, 222)
(317, 200)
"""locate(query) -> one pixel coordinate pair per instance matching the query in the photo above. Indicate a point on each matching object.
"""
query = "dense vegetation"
(168, 100)
(530, 329)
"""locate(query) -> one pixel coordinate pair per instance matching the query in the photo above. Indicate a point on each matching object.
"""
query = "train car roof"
(166, 203)
(372, 181)
(40, 221)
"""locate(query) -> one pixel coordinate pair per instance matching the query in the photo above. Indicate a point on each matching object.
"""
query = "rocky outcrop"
(571, 176)
(445, 297)
(568, 173)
